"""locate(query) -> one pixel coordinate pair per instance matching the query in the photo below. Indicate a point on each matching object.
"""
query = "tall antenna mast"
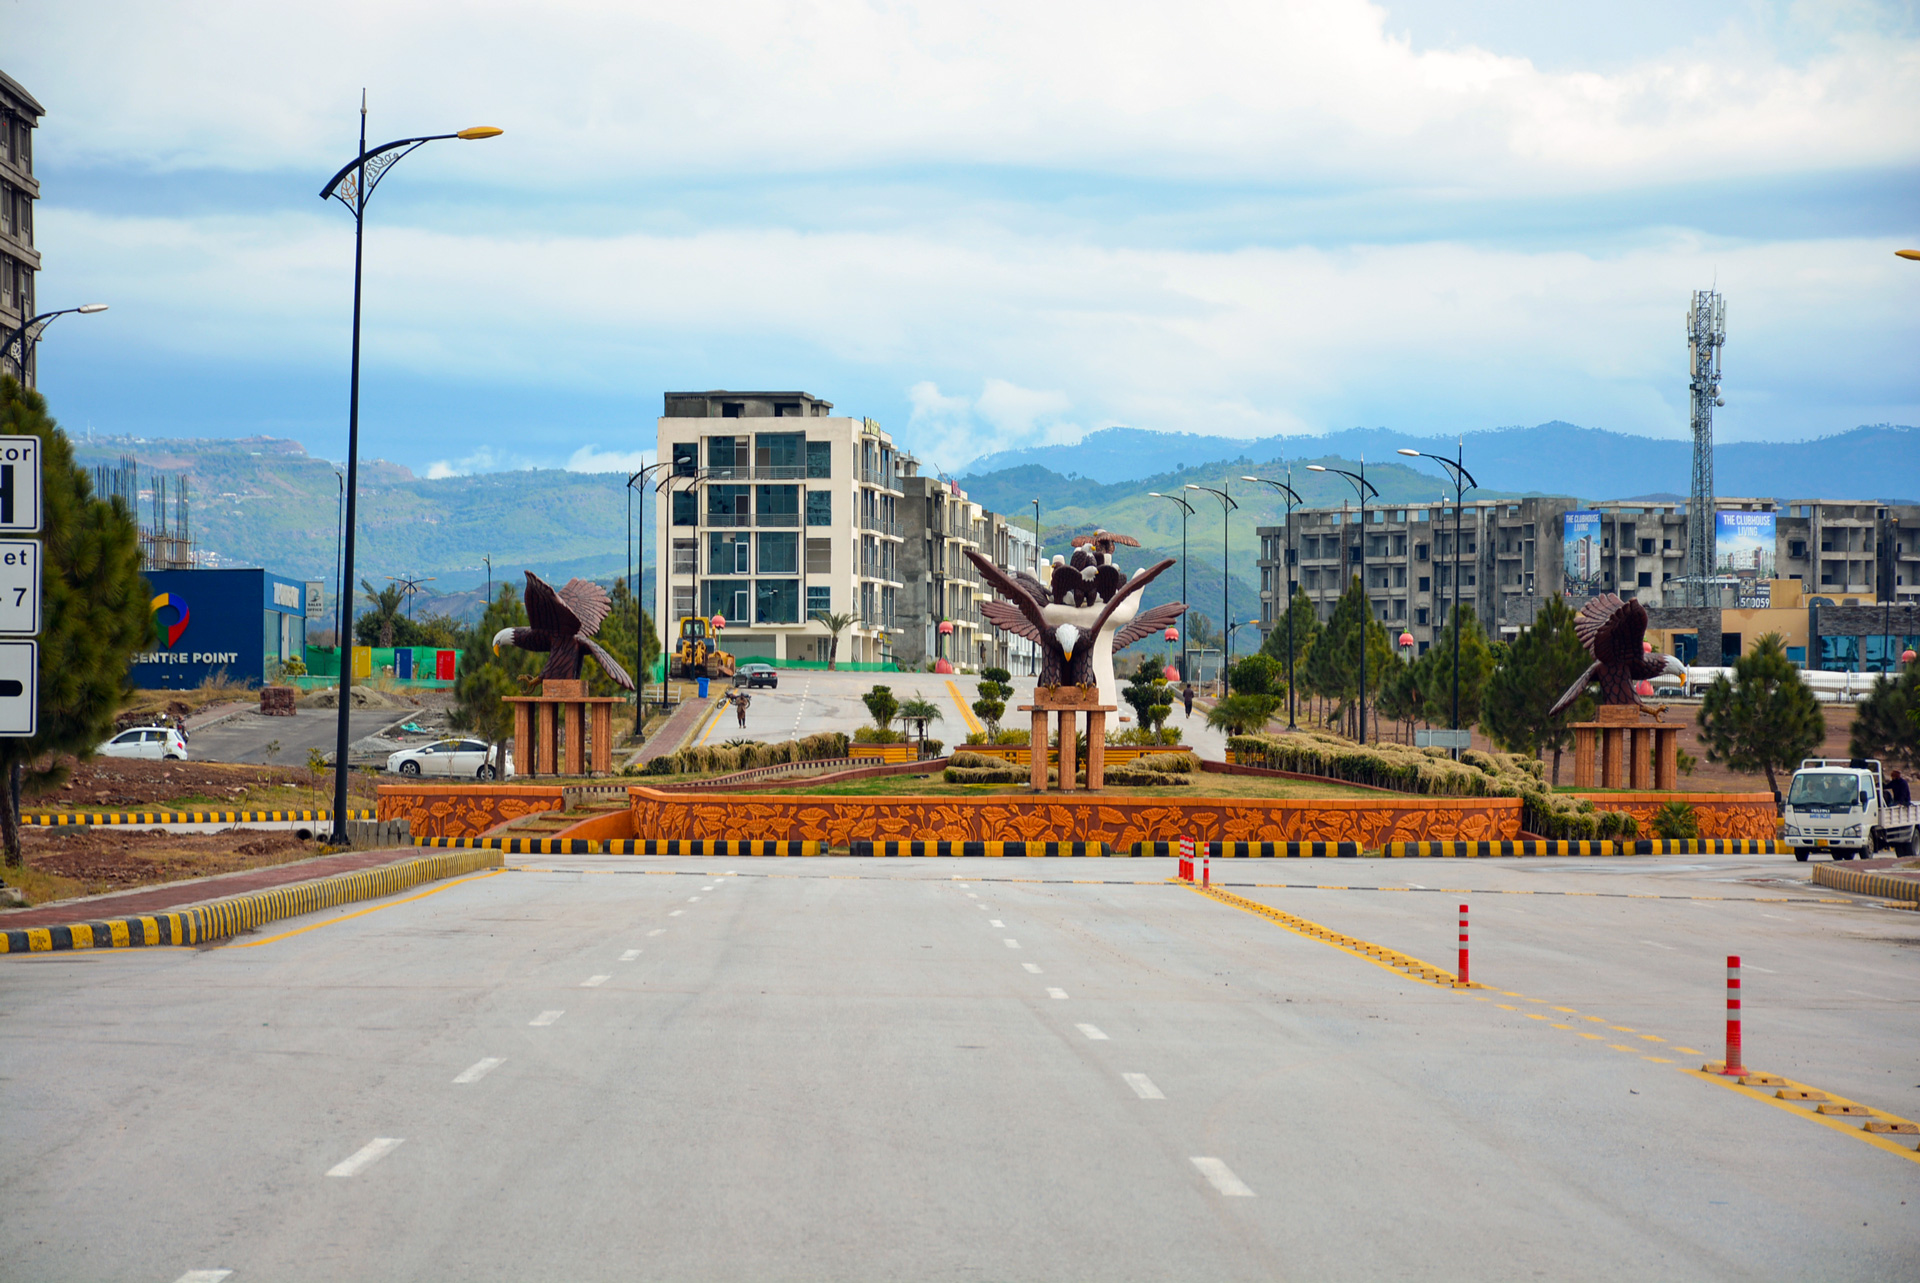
(1706, 334)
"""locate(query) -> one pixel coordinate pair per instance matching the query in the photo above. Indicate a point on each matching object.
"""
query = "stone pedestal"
(1626, 747)
(589, 718)
(1066, 703)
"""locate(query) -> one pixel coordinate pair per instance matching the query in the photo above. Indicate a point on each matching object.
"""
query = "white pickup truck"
(1841, 807)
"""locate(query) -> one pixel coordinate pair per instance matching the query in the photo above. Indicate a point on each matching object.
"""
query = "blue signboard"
(1581, 546)
(241, 623)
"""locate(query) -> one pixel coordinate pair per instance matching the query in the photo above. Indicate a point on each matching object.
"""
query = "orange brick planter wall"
(1721, 815)
(463, 810)
(1119, 822)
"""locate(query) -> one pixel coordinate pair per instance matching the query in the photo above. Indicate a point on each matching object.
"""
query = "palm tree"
(836, 623)
(921, 711)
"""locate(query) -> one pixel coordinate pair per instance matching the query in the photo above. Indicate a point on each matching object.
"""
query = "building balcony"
(779, 520)
(726, 520)
(879, 526)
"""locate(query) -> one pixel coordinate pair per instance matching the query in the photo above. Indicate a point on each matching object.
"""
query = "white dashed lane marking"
(1221, 1177)
(1012, 944)
(1142, 1086)
(594, 982)
(676, 913)
(480, 1069)
(203, 1276)
(657, 931)
(1092, 1032)
(546, 1017)
(1031, 967)
(370, 1153)
(1056, 993)
(629, 955)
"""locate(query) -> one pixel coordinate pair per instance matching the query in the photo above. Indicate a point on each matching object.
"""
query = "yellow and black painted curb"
(1392, 959)
(1525, 847)
(222, 918)
(632, 846)
(1252, 850)
(1866, 882)
(58, 819)
(988, 849)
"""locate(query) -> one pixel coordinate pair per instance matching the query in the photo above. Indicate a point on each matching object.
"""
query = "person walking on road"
(740, 701)
(1186, 698)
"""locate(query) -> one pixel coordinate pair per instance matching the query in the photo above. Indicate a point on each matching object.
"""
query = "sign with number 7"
(19, 587)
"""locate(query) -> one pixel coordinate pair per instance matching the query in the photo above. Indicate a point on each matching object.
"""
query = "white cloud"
(595, 88)
(485, 459)
(591, 458)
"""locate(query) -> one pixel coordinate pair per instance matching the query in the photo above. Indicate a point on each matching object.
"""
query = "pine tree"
(1436, 671)
(1536, 668)
(1766, 718)
(1886, 723)
(1333, 668)
(95, 612)
(616, 637)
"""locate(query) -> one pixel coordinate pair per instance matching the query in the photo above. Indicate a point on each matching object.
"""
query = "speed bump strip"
(1881, 1129)
(222, 918)
(917, 850)
(60, 819)
(1391, 959)
(1254, 850)
(632, 846)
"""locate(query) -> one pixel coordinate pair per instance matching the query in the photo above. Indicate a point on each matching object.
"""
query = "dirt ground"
(66, 862)
(119, 783)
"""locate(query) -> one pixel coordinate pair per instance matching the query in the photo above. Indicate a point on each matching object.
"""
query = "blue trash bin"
(703, 688)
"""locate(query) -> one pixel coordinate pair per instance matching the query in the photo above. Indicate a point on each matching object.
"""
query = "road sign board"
(1443, 739)
(19, 689)
(19, 587)
(19, 483)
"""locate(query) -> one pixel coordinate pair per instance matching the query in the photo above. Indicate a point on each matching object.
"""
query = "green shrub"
(1014, 737)
(1676, 821)
(876, 735)
(740, 755)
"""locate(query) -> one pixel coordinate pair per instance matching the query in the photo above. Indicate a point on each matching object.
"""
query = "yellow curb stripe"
(959, 702)
(1381, 956)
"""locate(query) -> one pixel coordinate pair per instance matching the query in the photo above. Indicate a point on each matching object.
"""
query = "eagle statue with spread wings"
(1087, 609)
(562, 625)
(1613, 631)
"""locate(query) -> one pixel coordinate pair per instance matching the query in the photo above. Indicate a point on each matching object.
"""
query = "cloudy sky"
(986, 224)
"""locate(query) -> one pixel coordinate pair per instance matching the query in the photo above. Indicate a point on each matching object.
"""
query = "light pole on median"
(26, 335)
(1286, 568)
(1462, 482)
(1364, 489)
(1227, 505)
(1186, 510)
(353, 186)
(636, 573)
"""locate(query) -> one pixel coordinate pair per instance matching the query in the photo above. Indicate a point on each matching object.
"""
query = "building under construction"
(160, 508)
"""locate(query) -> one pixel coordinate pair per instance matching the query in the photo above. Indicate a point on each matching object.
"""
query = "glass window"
(727, 553)
(1823, 789)
(819, 556)
(819, 507)
(776, 601)
(784, 499)
(780, 552)
(778, 453)
(725, 452)
(819, 459)
(686, 458)
(727, 598)
(730, 502)
(819, 600)
(683, 509)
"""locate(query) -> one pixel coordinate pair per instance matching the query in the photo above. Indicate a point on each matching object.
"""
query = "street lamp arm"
(1155, 494)
(1281, 486)
(1457, 470)
(1364, 487)
(344, 185)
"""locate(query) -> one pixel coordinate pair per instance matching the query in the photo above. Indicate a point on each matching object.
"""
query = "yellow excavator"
(698, 652)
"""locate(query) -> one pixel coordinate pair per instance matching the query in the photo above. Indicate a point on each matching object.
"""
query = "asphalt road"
(246, 737)
(684, 1069)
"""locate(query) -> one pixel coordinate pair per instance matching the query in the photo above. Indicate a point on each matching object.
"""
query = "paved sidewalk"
(673, 732)
(176, 895)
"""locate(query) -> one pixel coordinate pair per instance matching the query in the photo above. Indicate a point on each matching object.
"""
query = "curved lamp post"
(28, 333)
(353, 186)
(1186, 510)
(1462, 482)
(1286, 551)
(638, 565)
(1364, 489)
(1227, 505)
(665, 487)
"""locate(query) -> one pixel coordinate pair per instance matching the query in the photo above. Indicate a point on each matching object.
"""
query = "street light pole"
(1227, 505)
(1462, 482)
(353, 186)
(636, 573)
(1364, 489)
(25, 337)
(1286, 551)
(1186, 510)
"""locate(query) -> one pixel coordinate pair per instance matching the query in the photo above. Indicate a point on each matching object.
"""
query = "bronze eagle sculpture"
(1613, 630)
(562, 625)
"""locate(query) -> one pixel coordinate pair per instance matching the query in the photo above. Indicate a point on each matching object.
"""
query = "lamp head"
(90, 308)
(1314, 467)
(479, 131)
(1191, 486)
(1155, 494)
(1253, 479)
(1913, 254)
(1411, 454)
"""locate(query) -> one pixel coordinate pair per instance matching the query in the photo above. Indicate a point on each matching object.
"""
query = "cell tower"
(1706, 335)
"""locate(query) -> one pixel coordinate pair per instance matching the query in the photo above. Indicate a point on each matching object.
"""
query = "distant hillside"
(264, 501)
(1881, 462)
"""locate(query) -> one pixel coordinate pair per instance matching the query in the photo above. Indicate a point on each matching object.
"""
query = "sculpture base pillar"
(1626, 747)
(1067, 703)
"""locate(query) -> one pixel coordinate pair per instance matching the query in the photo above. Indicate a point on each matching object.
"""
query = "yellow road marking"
(1843, 1125)
(361, 913)
(959, 702)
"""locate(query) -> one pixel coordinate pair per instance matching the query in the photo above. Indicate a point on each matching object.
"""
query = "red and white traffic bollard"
(1733, 1067)
(1186, 859)
(1463, 945)
(1206, 867)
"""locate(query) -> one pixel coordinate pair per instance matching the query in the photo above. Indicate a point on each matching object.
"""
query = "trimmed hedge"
(721, 759)
(1430, 772)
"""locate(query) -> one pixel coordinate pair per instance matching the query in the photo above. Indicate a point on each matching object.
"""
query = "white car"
(467, 759)
(154, 742)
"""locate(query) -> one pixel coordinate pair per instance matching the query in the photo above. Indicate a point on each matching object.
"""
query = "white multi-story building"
(777, 512)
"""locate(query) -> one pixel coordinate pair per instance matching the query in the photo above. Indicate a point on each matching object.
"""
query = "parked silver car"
(154, 742)
(467, 759)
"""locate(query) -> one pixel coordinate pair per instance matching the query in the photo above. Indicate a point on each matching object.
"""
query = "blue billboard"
(1580, 553)
(242, 623)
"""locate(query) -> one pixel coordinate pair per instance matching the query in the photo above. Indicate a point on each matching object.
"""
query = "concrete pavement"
(245, 736)
(664, 1068)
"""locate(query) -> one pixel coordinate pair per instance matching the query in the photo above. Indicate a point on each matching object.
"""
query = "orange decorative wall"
(1118, 822)
(1720, 815)
(464, 810)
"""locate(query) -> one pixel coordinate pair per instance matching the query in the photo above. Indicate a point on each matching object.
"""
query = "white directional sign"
(19, 689)
(19, 587)
(19, 483)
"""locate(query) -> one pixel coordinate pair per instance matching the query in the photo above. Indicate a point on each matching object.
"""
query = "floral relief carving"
(463, 811)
